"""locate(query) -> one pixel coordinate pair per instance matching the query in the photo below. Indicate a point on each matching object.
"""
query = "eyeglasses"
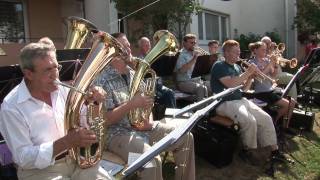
(192, 42)
(49, 71)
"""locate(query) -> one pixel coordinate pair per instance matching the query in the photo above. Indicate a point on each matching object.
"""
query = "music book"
(111, 167)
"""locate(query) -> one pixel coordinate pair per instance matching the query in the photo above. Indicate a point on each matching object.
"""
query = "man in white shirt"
(32, 121)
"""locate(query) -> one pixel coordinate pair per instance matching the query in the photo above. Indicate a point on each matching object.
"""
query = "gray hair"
(33, 51)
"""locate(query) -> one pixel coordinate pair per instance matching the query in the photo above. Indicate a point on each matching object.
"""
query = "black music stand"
(203, 65)
(71, 61)
(10, 76)
(308, 86)
(164, 66)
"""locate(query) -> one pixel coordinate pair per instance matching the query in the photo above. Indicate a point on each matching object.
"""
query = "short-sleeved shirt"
(185, 56)
(265, 85)
(117, 87)
(222, 69)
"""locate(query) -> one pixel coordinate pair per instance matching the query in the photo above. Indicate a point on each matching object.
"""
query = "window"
(213, 26)
(11, 21)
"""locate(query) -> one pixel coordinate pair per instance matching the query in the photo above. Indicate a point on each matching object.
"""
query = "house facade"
(219, 20)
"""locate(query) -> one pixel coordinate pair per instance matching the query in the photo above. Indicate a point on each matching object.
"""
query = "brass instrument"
(166, 42)
(260, 75)
(104, 49)
(78, 30)
(201, 51)
(276, 56)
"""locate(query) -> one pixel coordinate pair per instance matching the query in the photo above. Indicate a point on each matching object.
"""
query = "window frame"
(220, 15)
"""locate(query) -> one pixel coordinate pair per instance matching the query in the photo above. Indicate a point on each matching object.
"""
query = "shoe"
(248, 157)
(278, 156)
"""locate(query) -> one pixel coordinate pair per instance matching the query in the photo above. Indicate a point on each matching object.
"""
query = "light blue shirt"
(184, 57)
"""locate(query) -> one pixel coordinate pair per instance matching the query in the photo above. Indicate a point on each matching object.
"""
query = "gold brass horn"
(166, 42)
(260, 75)
(103, 50)
(201, 51)
(78, 30)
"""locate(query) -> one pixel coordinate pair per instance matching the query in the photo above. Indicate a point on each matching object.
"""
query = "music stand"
(203, 65)
(308, 83)
(175, 135)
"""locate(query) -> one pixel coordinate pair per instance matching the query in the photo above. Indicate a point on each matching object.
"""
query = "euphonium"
(166, 42)
(78, 30)
(103, 50)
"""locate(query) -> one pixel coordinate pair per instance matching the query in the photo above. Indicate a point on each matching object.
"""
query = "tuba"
(78, 30)
(103, 50)
(166, 42)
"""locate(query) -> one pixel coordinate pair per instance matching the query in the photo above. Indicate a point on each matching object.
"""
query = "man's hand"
(80, 137)
(96, 94)
(140, 101)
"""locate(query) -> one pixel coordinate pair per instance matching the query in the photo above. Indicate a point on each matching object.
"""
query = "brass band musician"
(264, 90)
(122, 138)
(282, 77)
(256, 126)
(184, 68)
(32, 121)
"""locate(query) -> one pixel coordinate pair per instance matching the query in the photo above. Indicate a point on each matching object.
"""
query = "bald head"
(144, 45)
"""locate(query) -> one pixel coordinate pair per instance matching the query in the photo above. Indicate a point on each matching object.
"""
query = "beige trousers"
(64, 169)
(256, 126)
(183, 152)
(195, 86)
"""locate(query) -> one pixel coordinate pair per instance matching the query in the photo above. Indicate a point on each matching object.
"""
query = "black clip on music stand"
(308, 83)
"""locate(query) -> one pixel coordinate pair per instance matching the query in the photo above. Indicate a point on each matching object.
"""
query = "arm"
(122, 110)
(185, 67)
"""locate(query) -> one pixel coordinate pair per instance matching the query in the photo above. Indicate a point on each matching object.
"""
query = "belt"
(63, 155)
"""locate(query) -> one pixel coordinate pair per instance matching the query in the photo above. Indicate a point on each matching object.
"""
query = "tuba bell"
(78, 30)
(103, 50)
(166, 42)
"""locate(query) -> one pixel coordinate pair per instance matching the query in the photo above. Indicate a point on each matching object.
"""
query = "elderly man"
(32, 121)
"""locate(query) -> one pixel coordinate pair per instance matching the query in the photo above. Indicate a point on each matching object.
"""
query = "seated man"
(184, 68)
(282, 77)
(32, 121)
(123, 138)
(164, 95)
(256, 126)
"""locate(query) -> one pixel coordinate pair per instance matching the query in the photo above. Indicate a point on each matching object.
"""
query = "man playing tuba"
(32, 121)
(122, 138)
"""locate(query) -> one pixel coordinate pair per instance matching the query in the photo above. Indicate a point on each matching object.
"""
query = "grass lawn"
(304, 149)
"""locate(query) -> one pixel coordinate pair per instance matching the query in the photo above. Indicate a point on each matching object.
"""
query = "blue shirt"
(222, 69)
(184, 57)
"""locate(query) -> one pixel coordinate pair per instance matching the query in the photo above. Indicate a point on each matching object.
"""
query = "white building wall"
(103, 14)
(256, 16)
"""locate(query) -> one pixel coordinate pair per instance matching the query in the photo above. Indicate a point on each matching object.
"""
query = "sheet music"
(111, 167)
(168, 140)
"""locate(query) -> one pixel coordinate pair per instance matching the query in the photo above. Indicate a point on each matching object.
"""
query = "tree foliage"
(308, 18)
(173, 15)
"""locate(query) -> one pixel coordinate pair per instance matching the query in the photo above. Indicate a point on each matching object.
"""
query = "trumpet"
(276, 56)
(292, 63)
(260, 75)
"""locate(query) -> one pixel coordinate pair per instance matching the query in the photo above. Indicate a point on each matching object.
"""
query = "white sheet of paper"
(134, 156)
(111, 167)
